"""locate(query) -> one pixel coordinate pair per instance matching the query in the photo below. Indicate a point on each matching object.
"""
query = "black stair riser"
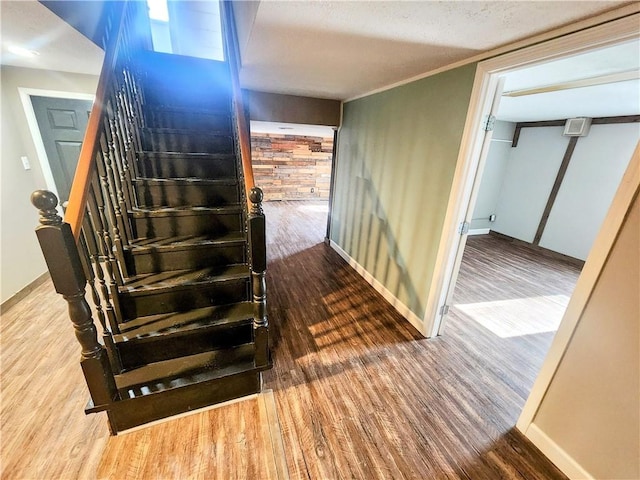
(170, 69)
(171, 166)
(180, 195)
(197, 96)
(136, 353)
(132, 412)
(202, 122)
(190, 143)
(185, 225)
(161, 260)
(182, 299)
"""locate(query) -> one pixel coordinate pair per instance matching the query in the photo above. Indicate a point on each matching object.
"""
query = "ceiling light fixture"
(23, 52)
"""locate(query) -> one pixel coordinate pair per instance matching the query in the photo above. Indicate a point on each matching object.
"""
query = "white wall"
(597, 165)
(21, 260)
(493, 175)
(529, 178)
(590, 413)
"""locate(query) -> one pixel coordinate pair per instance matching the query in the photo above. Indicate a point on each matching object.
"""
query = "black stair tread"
(154, 283)
(144, 245)
(187, 109)
(169, 323)
(184, 211)
(183, 371)
(186, 181)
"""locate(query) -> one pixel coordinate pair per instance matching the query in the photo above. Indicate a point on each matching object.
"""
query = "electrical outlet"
(492, 217)
(25, 163)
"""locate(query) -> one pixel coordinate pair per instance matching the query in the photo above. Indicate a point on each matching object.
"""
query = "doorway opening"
(545, 190)
(57, 123)
(543, 231)
(292, 164)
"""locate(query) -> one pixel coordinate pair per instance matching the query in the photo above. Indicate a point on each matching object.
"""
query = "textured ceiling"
(30, 25)
(341, 49)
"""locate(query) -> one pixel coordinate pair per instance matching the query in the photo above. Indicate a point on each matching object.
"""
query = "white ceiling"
(341, 49)
(612, 99)
(347, 48)
(30, 25)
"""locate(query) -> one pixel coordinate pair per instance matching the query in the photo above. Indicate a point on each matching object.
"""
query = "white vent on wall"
(577, 127)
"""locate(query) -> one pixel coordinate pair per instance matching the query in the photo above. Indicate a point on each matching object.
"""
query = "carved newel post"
(258, 251)
(61, 254)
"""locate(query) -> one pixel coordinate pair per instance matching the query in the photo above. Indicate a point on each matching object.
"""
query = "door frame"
(43, 159)
(469, 167)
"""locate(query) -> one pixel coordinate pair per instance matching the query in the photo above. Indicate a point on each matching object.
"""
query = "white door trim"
(467, 166)
(25, 98)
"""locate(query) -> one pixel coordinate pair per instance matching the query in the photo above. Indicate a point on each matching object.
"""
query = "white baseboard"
(382, 290)
(479, 231)
(557, 455)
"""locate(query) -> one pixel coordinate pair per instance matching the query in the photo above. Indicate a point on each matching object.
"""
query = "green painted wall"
(397, 154)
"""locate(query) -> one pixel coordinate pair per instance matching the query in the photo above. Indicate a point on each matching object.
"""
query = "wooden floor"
(358, 393)
(45, 435)
(361, 395)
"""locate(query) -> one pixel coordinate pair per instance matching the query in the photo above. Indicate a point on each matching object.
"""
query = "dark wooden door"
(62, 123)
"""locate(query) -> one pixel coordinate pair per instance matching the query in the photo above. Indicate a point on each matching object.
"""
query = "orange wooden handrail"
(233, 57)
(244, 138)
(78, 196)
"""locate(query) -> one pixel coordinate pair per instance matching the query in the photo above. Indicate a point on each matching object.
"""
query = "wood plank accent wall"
(292, 167)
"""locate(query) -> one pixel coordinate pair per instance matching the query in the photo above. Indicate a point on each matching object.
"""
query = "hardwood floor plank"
(407, 407)
(358, 394)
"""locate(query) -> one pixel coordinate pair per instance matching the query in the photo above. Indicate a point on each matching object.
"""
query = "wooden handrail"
(86, 163)
(233, 57)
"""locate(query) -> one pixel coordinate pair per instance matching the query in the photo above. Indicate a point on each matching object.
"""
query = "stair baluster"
(120, 133)
(92, 268)
(115, 170)
(88, 250)
(95, 212)
(135, 100)
(61, 254)
(110, 192)
(107, 214)
(257, 247)
(128, 120)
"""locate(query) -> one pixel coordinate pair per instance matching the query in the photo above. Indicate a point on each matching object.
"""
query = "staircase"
(170, 239)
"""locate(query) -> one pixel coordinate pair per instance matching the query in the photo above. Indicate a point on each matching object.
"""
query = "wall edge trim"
(402, 309)
(560, 458)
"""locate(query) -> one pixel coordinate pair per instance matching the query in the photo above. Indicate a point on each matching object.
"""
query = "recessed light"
(23, 52)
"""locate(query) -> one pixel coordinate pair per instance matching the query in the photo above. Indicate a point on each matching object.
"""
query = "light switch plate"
(25, 163)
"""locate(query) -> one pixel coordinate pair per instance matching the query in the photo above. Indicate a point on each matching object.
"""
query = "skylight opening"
(158, 10)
